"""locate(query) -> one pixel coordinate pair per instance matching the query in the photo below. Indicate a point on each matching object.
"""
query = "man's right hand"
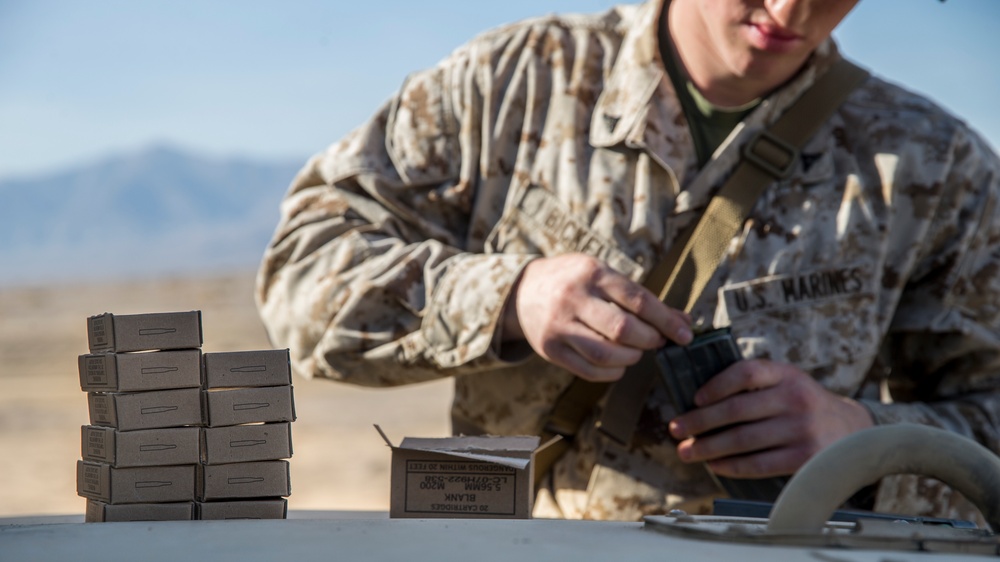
(580, 314)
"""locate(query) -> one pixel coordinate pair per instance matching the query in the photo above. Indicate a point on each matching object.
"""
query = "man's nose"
(789, 14)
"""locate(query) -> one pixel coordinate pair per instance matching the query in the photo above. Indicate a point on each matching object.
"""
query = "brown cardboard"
(146, 410)
(131, 372)
(459, 477)
(267, 479)
(146, 447)
(246, 443)
(249, 405)
(144, 332)
(247, 368)
(98, 512)
(242, 509)
(148, 484)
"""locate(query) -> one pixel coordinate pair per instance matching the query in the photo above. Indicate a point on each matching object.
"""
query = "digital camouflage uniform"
(874, 267)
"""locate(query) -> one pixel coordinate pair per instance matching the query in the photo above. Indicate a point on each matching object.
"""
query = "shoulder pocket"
(422, 132)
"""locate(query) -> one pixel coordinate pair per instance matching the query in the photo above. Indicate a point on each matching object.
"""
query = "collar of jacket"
(639, 108)
(637, 73)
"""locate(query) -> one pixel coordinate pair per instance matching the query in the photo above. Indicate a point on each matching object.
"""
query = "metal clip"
(767, 160)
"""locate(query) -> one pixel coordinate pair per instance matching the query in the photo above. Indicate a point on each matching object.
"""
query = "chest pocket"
(538, 223)
(818, 236)
(824, 319)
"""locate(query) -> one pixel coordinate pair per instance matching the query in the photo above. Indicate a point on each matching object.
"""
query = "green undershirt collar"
(710, 124)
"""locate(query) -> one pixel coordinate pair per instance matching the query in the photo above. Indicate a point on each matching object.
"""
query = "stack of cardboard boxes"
(176, 434)
(248, 410)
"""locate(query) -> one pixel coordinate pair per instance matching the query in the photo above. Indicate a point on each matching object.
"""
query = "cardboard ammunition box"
(131, 372)
(145, 447)
(144, 332)
(243, 509)
(104, 512)
(246, 443)
(462, 477)
(249, 405)
(247, 368)
(146, 410)
(147, 484)
(266, 479)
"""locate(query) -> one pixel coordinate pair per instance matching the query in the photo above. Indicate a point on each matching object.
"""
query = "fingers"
(619, 326)
(745, 392)
(577, 312)
(635, 299)
(590, 356)
(732, 448)
(775, 462)
(744, 376)
(742, 408)
(761, 418)
(569, 359)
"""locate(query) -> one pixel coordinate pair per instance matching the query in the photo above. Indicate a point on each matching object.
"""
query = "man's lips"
(772, 39)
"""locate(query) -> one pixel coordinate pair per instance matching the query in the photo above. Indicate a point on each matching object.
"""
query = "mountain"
(157, 211)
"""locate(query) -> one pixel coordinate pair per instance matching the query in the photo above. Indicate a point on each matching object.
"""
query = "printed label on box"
(464, 476)
(460, 487)
(92, 481)
(95, 369)
(102, 409)
(96, 446)
(99, 332)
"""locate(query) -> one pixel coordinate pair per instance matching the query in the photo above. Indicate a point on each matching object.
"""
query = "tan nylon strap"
(769, 156)
(571, 408)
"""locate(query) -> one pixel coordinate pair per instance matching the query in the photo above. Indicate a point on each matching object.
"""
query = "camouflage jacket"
(875, 266)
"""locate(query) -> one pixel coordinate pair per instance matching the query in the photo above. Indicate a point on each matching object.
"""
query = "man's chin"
(768, 69)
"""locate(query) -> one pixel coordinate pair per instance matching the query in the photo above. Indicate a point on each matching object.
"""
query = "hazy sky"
(83, 79)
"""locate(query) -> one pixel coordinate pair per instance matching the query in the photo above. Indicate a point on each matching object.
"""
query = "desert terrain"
(339, 462)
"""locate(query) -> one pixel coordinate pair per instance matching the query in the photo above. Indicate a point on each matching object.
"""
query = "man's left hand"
(760, 418)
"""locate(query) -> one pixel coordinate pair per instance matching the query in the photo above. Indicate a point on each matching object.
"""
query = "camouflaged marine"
(874, 267)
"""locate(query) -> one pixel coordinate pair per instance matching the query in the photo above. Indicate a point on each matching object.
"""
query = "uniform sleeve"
(943, 349)
(368, 278)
